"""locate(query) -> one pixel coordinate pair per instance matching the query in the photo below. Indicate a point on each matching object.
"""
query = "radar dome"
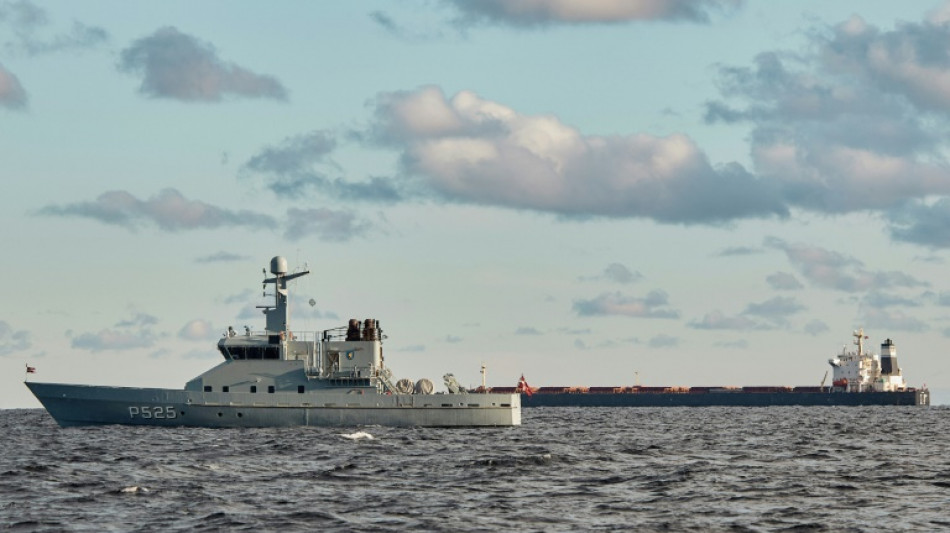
(278, 265)
(424, 386)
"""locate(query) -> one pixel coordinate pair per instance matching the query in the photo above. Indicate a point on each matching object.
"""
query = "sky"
(586, 192)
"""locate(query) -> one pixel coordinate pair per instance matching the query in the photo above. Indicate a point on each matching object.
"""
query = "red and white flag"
(30, 369)
(524, 387)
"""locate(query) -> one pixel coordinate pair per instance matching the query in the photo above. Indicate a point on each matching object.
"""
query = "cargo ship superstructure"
(859, 378)
(281, 377)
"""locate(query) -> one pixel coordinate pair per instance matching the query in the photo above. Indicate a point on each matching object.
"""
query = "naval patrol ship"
(281, 377)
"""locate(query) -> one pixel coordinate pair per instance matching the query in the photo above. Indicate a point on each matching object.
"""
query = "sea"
(565, 469)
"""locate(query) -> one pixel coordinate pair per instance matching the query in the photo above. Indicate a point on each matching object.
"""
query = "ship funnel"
(889, 359)
(278, 265)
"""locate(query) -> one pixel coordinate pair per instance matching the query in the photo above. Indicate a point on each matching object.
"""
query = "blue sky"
(589, 193)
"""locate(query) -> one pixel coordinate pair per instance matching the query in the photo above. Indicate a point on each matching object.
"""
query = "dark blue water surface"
(565, 469)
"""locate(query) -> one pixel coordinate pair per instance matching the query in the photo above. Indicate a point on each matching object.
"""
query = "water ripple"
(565, 469)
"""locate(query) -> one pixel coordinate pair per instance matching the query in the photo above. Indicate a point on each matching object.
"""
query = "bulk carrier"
(859, 378)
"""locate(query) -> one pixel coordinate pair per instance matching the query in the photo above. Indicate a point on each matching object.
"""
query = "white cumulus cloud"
(469, 149)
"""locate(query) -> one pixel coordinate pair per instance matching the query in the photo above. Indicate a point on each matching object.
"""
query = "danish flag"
(30, 369)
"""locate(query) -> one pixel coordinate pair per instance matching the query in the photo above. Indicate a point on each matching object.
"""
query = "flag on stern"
(524, 387)
(30, 369)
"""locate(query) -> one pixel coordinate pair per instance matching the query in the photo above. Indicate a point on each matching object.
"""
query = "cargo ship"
(859, 378)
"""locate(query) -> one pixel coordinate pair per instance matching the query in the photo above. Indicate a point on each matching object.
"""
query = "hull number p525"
(152, 411)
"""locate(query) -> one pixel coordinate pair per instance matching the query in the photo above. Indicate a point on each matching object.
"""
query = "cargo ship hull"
(708, 399)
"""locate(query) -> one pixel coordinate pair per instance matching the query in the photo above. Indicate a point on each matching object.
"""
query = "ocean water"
(565, 469)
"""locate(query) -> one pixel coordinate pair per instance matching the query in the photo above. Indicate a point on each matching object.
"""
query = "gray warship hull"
(83, 405)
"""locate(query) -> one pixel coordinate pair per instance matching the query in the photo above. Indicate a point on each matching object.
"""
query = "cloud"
(197, 330)
(329, 225)
(775, 309)
(910, 61)
(738, 250)
(133, 332)
(452, 339)
(663, 341)
(880, 299)
(773, 313)
(527, 331)
(471, 150)
(784, 281)
(718, 320)
(241, 297)
(616, 273)
(291, 170)
(138, 319)
(527, 13)
(130, 333)
(574, 331)
(178, 66)
(388, 24)
(887, 319)
(168, 210)
(922, 223)
(295, 154)
(12, 340)
(856, 121)
(839, 271)
(739, 344)
(222, 257)
(654, 305)
(620, 274)
(816, 327)
(111, 339)
(12, 94)
(27, 23)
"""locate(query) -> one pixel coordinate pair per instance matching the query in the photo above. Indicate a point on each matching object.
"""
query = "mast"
(859, 341)
(278, 316)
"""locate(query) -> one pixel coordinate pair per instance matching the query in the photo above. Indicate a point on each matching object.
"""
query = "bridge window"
(254, 388)
(300, 389)
(242, 353)
(207, 388)
(225, 388)
(270, 389)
